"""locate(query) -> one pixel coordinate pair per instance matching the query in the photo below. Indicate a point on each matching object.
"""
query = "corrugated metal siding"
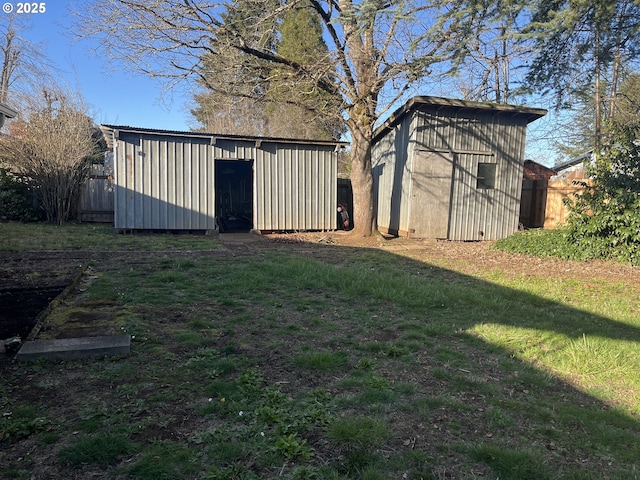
(392, 177)
(163, 183)
(471, 137)
(166, 182)
(479, 214)
(295, 188)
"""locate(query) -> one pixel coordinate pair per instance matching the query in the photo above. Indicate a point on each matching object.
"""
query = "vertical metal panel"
(159, 183)
(479, 214)
(391, 162)
(167, 182)
(296, 187)
(432, 178)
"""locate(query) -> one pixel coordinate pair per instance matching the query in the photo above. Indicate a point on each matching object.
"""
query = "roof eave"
(110, 130)
(531, 114)
(7, 111)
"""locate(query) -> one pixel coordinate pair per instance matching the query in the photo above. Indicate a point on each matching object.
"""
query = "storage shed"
(188, 181)
(451, 169)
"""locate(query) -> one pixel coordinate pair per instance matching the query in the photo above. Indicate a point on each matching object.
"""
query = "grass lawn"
(316, 361)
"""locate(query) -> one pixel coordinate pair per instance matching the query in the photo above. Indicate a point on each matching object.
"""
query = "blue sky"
(117, 97)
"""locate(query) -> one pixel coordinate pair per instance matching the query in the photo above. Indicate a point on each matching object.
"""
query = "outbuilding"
(451, 169)
(190, 181)
(6, 112)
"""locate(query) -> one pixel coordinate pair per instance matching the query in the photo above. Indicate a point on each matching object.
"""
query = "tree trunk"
(364, 220)
(597, 95)
(613, 92)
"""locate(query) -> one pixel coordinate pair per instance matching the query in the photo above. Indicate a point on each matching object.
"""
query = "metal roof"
(110, 133)
(529, 113)
(7, 111)
(586, 156)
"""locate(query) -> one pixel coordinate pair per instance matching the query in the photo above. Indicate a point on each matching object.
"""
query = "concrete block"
(75, 348)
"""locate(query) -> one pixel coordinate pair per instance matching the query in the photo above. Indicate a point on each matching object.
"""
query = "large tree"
(23, 67)
(575, 133)
(263, 100)
(233, 83)
(378, 52)
(489, 64)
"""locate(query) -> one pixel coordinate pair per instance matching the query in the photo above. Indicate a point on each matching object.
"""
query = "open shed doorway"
(234, 195)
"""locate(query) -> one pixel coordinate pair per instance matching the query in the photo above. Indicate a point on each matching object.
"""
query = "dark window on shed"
(486, 176)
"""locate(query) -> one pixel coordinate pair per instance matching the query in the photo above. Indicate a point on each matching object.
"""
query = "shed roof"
(110, 133)
(536, 171)
(529, 113)
(7, 111)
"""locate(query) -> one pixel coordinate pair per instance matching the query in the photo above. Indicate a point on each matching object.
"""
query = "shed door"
(234, 195)
(431, 182)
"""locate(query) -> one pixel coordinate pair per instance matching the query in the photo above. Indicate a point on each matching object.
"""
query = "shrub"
(16, 199)
(542, 243)
(605, 221)
(53, 151)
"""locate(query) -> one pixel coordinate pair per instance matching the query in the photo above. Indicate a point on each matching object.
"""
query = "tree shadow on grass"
(500, 371)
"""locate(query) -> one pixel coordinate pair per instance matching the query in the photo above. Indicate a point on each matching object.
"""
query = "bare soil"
(470, 257)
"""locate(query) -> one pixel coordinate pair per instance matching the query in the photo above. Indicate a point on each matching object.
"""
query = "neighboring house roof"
(111, 132)
(575, 167)
(579, 160)
(536, 171)
(529, 113)
(6, 112)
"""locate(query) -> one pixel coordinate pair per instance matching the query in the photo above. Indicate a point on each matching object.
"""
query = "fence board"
(96, 199)
(558, 190)
(533, 203)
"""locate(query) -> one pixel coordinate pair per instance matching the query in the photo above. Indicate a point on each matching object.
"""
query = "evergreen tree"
(226, 68)
(577, 131)
(296, 100)
(279, 103)
(488, 63)
(579, 44)
(627, 101)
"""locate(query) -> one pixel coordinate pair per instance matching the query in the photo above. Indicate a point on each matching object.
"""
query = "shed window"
(486, 176)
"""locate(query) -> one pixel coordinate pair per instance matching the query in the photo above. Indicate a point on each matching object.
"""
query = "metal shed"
(451, 169)
(188, 181)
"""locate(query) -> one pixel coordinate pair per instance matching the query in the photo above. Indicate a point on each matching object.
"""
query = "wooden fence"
(96, 200)
(543, 201)
(557, 191)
